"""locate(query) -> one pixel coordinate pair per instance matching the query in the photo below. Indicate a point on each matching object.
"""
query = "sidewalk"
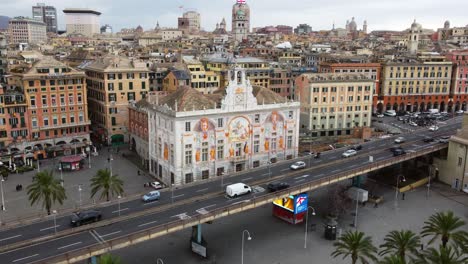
(18, 206)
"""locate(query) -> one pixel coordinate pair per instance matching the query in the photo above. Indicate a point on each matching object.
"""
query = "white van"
(357, 193)
(237, 189)
(390, 113)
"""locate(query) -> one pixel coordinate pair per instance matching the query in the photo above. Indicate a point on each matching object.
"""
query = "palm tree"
(445, 225)
(445, 255)
(399, 243)
(354, 244)
(109, 184)
(109, 259)
(46, 188)
(393, 259)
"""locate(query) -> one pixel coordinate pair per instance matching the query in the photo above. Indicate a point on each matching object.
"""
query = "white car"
(413, 124)
(349, 153)
(399, 140)
(156, 185)
(459, 112)
(433, 128)
(380, 115)
(298, 165)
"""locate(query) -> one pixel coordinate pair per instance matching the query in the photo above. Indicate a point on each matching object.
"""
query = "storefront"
(71, 163)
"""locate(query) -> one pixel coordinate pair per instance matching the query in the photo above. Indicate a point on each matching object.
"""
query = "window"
(460, 161)
(220, 149)
(131, 96)
(205, 151)
(188, 154)
(110, 86)
(130, 85)
(273, 142)
(113, 120)
(34, 122)
(257, 118)
(120, 86)
(187, 127)
(54, 99)
(55, 120)
(143, 85)
(44, 100)
(289, 143)
(62, 99)
(220, 122)
(46, 121)
(172, 154)
(70, 98)
(80, 98)
(188, 177)
(256, 143)
(64, 119)
(33, 101)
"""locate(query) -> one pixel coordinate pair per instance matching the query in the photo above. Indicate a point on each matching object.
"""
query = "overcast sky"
(320, 14)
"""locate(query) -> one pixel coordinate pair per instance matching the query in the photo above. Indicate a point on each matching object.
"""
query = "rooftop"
(80, 11)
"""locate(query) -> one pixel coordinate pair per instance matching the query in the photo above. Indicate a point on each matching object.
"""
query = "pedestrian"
(403, 196)
(422, 246)
(138, 171)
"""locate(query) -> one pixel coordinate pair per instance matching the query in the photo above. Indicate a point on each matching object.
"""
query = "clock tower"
(240, 20)
(239, 92)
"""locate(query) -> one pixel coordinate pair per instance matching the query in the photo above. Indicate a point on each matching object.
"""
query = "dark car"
(428, 139)
(276, 186)
(356, 147)
(85, 217)
(444, 139)
(399, 152)
(393, 149)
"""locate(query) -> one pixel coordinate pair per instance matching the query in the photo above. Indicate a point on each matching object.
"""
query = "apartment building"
(333, 104)
(26, 30)
(281, 81)
(203, 81)
(416, 84)
(82, 21)
(46, 14)
(257, 70)
(459, 92)
(372, 70)
(3, 57)
(113, 82)
(47, 106)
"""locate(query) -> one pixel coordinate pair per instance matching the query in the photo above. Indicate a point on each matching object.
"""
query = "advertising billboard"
(300, 203)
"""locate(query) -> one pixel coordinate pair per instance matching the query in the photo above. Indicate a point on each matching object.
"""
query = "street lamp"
(354, 224)
(307, 220)
(118, 199)
(38, 165)
(88, 149)
(269, 169)
(61, 174)
(79, 190)
(248, 238)
(110, 159)
(159, 261)
(397, 190)
(54, 212)
(3, 198)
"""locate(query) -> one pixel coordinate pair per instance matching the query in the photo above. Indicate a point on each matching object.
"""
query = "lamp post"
(269, 169)
(248, 238)
(54, 212)
(38, 165)
(159, 261)
(118, 199)
(356, 211)
(61, 174)
(3, 198)
(397, 190)
(110, 159)
(88, 149)
(222, 180)
(306, 224)
(79, 191)
(3, 202)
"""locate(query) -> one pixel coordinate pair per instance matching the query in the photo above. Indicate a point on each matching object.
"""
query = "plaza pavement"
(276, 242)
(18, 206)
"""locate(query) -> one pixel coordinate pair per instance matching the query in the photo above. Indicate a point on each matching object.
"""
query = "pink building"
(459, 89)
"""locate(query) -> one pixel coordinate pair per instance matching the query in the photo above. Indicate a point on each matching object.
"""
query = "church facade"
(194, 137)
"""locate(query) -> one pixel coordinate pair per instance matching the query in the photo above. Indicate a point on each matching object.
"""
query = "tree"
(394, 259)
(445, 255)
(46, 188)
(107, 183)
(446, 226)
(355, 245)
(338, 202)
(109, 259)
(399, 243)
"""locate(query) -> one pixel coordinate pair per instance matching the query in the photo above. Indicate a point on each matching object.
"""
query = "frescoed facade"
(193, 136)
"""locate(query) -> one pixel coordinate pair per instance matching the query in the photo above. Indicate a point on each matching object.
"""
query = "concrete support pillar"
(93, 260)
(199, 233)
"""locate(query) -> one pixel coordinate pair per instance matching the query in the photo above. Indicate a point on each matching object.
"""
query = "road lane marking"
(32, 256)
(71, 245)
(299, 181)
(147, 203)
(301, 177)
(352, 166)
(10, 238)
(285, 169)
(96, 236)
(182, 216)
(243, 201)
(202, 190)
(110, 234)
(265, 174)
(246, 179)
(204, 210)
(43, 229)
(149, 223)
(123, 209)
(319, 175)
(180, 195)
(337, 170)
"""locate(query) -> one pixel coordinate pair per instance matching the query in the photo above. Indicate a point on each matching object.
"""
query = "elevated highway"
(198, 204)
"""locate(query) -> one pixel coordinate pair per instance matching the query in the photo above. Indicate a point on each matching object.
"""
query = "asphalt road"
(84, 239)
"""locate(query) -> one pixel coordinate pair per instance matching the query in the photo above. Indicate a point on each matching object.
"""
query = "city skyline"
(129, 15)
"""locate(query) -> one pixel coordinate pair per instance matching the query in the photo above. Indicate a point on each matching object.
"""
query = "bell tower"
(240, 20)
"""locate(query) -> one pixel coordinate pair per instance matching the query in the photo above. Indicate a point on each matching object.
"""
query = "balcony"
(241, 158)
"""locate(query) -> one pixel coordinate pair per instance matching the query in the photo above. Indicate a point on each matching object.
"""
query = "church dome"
(415, 25)
(352, 25)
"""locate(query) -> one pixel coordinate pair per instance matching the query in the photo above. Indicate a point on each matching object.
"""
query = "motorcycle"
(317, 155)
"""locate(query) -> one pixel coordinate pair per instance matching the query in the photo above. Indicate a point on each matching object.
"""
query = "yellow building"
(416, 85)
(113, 82)
(203, 81)
(332, 104)
(257, 70)
(174, 79)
